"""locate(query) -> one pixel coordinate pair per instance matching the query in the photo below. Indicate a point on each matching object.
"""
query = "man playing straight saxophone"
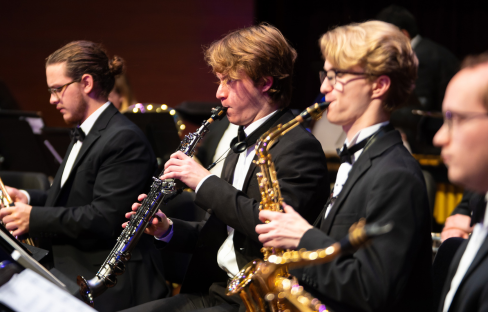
(254, 66)
(463, 138)
(369, 69)
(107, 165)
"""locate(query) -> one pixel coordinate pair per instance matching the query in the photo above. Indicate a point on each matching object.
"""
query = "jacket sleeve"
(374, 276)
(115, 170)
(303, 178)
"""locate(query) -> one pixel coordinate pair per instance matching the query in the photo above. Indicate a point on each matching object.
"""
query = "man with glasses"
(369, 69)
(108, 163)
(463, 139)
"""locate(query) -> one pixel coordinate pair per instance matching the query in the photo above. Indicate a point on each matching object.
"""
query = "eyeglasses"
(454, 118)
(450, 117)
(332, 74)
(57, 91)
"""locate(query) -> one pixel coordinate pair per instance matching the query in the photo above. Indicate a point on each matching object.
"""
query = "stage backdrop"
(161, 42)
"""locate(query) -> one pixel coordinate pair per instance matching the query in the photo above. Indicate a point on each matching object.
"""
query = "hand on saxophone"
(16, 218)
(159, 224)
(16, 195)
(185, 169)
(284, 230)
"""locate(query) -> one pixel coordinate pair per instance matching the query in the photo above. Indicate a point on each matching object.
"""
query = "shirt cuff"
(166, 237)
(201, 182)
(26, 194)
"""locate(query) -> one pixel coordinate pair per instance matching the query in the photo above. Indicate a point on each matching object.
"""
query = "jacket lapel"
(378, 144)
(94, 134)
(480, 255)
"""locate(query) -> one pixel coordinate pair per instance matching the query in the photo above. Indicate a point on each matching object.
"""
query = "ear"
(266, 83)
(87, 83)
(380, 87)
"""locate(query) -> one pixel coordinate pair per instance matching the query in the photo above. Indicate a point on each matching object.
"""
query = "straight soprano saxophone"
(161, 192)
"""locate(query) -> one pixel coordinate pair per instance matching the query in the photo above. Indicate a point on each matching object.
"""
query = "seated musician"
(369, 69)
(463, 138)
(254, 66)
(109, 162)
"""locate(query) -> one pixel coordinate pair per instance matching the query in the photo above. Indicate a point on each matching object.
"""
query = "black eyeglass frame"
(324, 74)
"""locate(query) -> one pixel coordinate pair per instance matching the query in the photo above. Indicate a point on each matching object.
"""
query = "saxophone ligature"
(161, 192)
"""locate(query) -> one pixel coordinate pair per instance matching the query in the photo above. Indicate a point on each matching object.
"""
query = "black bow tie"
(346, 153)
(77, 134)
(241, 135)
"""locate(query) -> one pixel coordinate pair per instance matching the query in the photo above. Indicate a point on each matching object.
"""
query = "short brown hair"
(259, 51)
(472, 61)
(86, 57)
(381, 49)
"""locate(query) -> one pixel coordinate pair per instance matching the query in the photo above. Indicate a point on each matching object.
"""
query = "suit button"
(209, 211)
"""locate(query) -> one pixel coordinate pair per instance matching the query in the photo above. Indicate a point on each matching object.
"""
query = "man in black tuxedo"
(463, 138)
(254, 66)
(109, 162)
(437, 65)
(370, 69)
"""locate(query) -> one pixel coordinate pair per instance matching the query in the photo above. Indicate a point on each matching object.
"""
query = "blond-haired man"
(369, 69)
(254, 66)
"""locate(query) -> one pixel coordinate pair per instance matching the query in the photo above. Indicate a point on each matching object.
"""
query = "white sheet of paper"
(29, 292)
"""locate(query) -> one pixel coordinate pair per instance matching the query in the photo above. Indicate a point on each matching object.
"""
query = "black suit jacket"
(437, 66)
(472, 294)
(83, 219)
(303, 178)
(393, 272)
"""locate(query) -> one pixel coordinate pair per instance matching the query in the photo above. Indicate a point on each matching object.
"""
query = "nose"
(222, 91)
(442, 137)
(53, 99)
(326, 87)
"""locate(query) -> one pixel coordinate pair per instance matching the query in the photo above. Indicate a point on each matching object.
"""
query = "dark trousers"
(186, 303)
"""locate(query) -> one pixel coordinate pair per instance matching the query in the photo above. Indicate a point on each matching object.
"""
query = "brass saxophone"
(161, 192)
(270, 189)
(266, 285)
(263, 288)
(7, 201)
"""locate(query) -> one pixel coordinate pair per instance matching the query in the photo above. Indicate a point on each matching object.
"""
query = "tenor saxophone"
(160, 193)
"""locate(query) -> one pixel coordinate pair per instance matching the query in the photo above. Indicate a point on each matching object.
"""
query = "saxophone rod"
(5, 194)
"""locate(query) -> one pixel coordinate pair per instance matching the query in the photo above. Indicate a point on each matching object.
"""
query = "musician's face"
(68, 100)
(245, 101)
(464, 135)
(350, 97)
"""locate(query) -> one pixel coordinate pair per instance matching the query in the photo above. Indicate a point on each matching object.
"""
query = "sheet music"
(29, 292)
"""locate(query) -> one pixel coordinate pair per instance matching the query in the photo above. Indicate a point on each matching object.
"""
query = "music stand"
(160, 130)
(21, 143)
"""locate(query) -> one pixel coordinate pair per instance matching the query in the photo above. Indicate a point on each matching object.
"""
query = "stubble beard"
(78, 114)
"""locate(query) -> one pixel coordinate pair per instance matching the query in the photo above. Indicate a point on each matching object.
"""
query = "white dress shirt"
(86, 127)
(345, 167)
(226, 256)
(222, 148)
(475, 241)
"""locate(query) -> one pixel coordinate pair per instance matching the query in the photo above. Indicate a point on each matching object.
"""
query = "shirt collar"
(249, 129)
(90, 121)
(365, 132)
(415, 41)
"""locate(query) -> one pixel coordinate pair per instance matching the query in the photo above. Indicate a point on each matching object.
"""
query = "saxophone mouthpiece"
(217, 113)
(315, 112)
